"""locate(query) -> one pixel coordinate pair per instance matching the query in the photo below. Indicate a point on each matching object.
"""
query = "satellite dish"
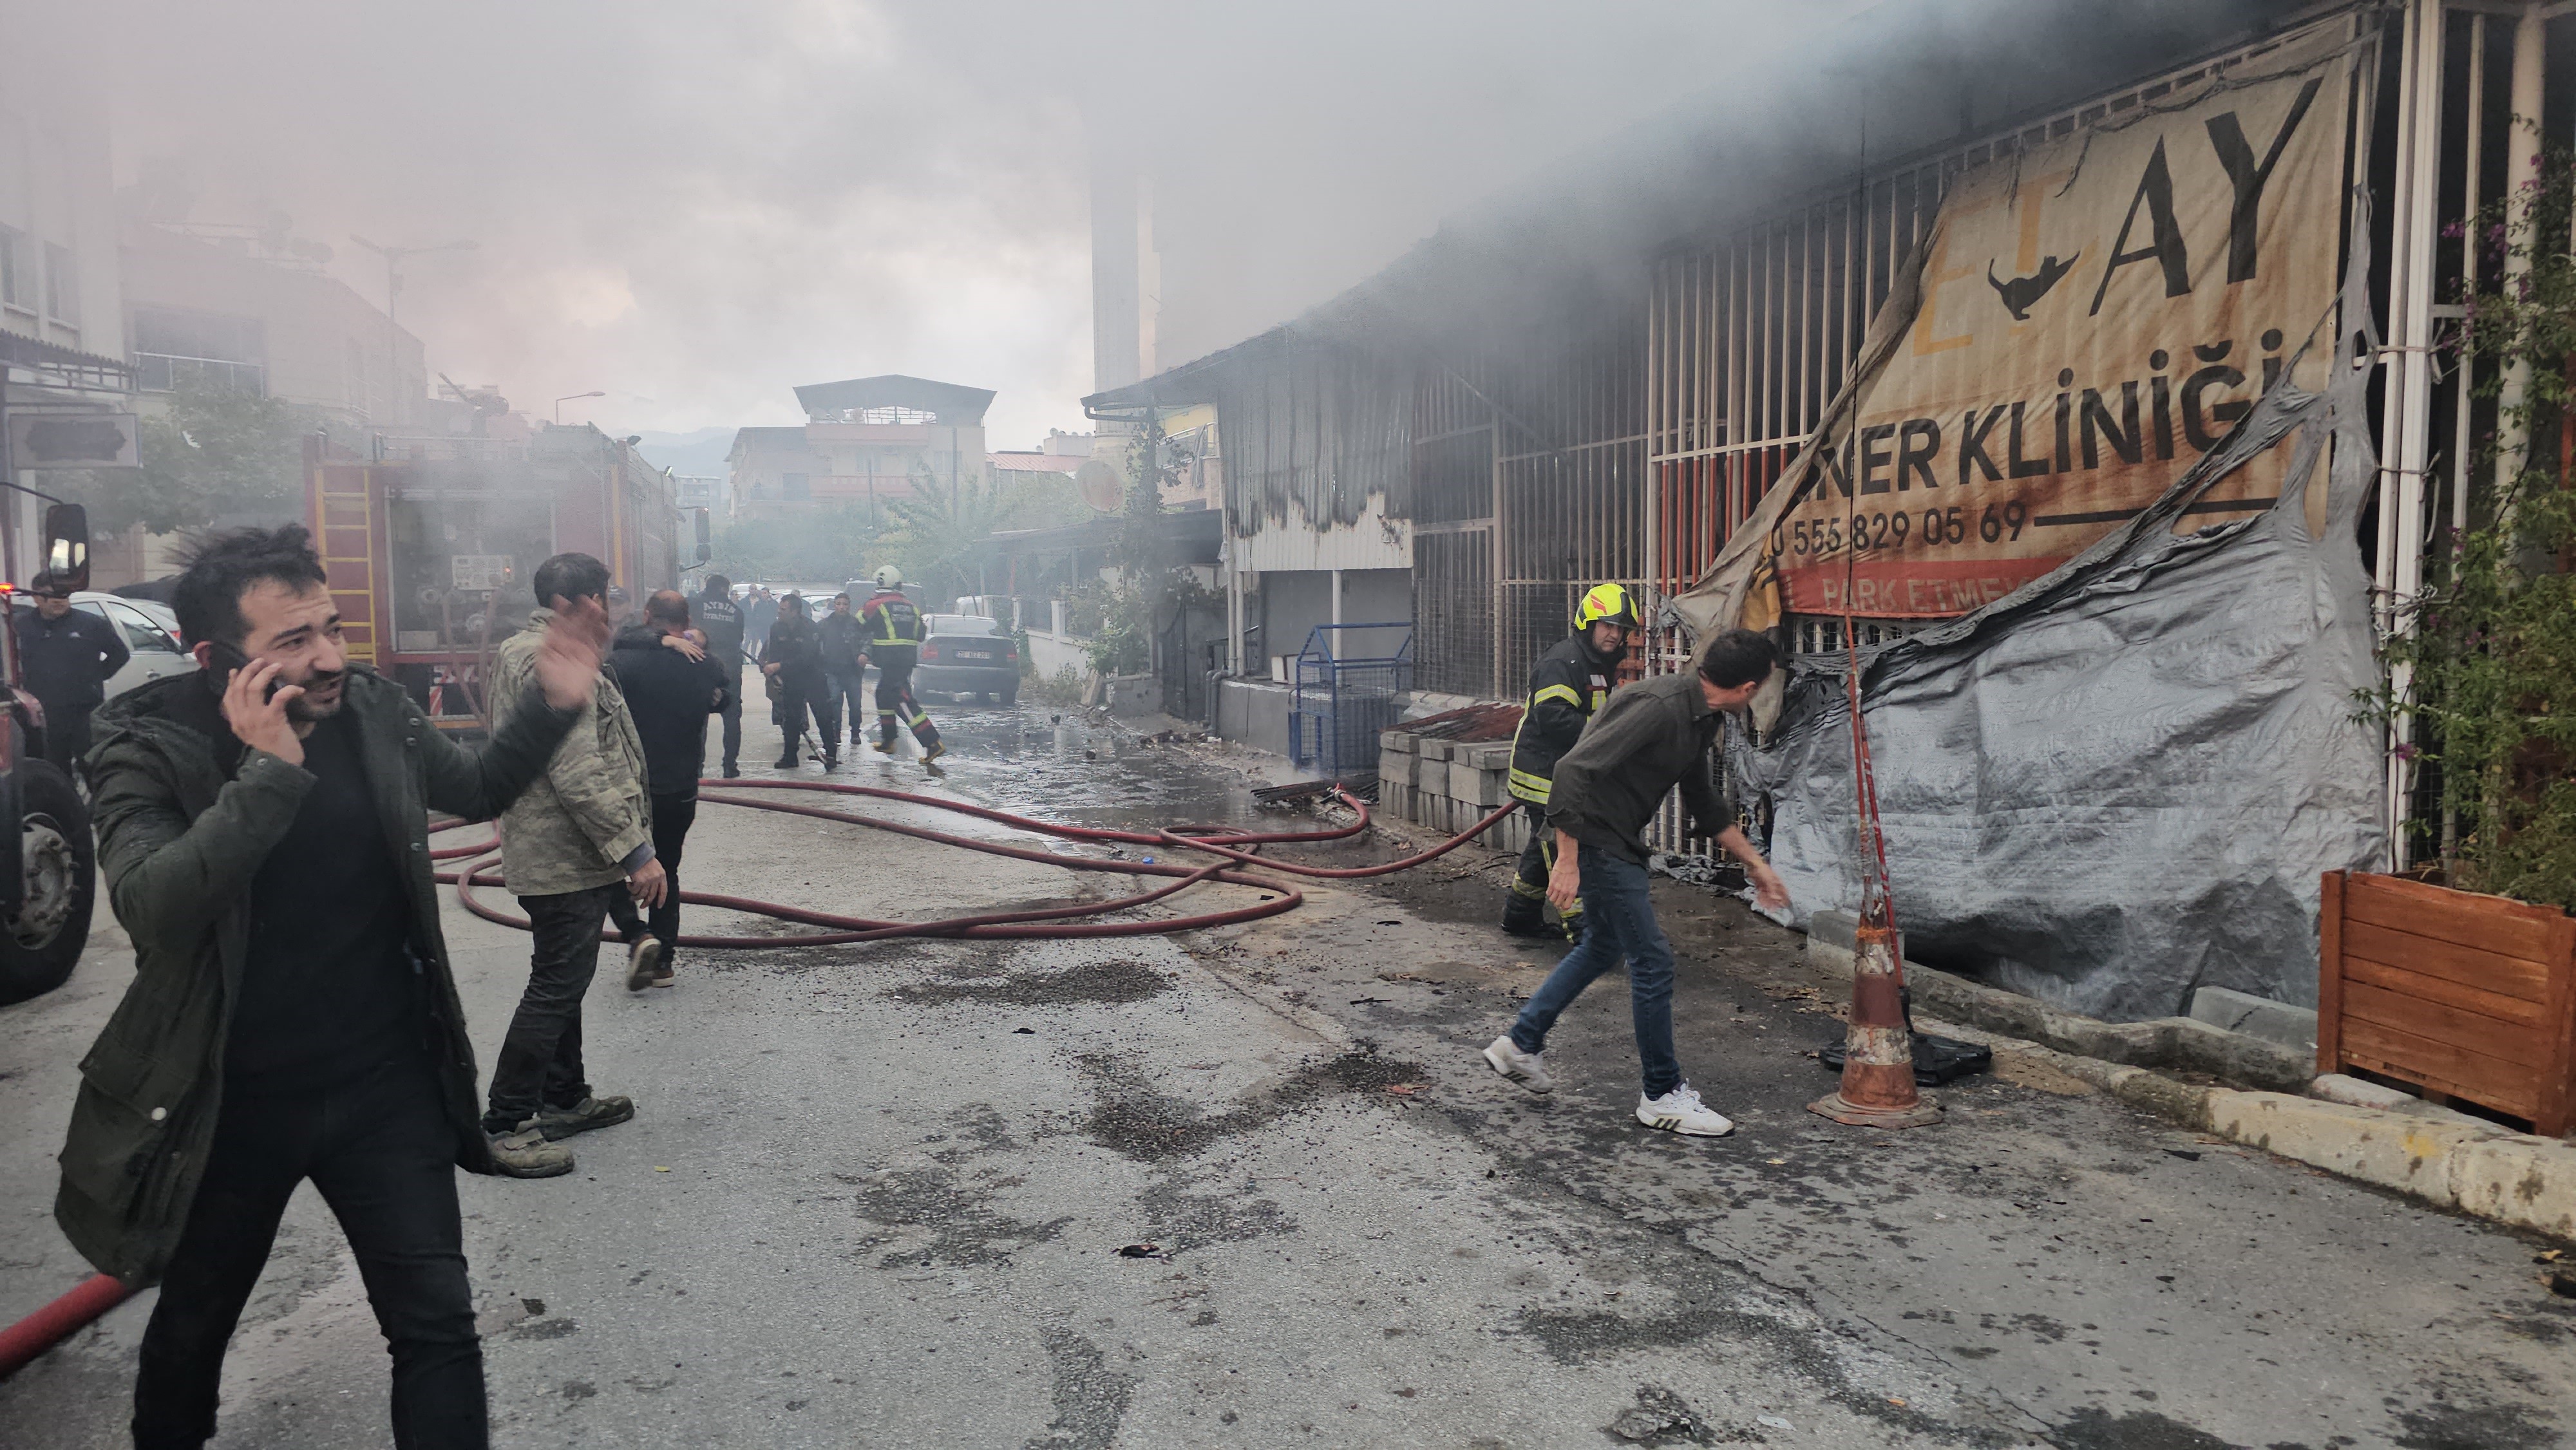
(1101, 486)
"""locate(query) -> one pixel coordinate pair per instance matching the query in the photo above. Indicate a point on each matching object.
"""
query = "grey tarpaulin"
(2122, 781)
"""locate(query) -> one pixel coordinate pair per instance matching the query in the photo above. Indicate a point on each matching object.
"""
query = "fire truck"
(430, 546)
(49, 864)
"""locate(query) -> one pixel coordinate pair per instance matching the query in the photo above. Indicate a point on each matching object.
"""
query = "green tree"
(212, 451)
(939, 533)
(2493, 647)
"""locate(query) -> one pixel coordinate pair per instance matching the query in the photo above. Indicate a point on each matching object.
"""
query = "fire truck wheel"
(39, 946)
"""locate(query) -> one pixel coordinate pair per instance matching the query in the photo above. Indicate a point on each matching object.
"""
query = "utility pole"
(393, 289)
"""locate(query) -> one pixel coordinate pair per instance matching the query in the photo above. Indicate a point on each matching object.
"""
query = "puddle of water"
(1051, 763)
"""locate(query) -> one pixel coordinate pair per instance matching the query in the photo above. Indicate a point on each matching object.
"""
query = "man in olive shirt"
(1651, 736)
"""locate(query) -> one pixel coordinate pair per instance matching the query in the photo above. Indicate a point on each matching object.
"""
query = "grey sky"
(696, 205)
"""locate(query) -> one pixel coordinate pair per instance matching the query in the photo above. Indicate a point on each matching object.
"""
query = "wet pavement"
(1253, 1186)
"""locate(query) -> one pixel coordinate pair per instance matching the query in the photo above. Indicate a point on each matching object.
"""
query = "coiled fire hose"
(1233, 849)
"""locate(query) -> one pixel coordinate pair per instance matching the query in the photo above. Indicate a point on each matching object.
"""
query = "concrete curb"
(2183, 1044)
(2446, 1159)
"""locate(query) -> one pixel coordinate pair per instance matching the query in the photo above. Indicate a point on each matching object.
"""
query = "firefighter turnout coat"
(1566, 686)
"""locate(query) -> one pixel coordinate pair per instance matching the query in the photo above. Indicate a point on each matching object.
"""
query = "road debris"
(1660, 1417)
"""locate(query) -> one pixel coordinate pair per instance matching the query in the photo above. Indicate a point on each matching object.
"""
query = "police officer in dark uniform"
(1568, 683)
(66, 655)
(892, 628)
(720, 620)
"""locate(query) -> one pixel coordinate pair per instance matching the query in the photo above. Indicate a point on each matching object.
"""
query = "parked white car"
(151, 635)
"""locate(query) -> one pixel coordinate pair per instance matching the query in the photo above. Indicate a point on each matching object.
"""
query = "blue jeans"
(1619, 921)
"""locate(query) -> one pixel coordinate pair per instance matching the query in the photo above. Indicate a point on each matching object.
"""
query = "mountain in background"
(696, 454)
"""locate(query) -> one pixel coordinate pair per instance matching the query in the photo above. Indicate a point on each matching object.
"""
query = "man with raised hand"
(263, 835)
(582, 832)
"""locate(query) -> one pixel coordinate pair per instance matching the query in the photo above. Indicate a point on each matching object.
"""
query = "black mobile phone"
(227, 660)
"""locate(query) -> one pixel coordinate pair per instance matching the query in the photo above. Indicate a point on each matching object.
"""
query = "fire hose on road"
(1234, 851)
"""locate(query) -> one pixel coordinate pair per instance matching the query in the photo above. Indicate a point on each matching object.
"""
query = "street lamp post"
(393, 289)
(571, 398)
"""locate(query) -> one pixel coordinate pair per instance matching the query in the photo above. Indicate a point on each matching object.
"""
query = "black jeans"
(382, 1151)
(672, 817)
(67, 738)
(799, 696)
(540, 1062)
(732, 714)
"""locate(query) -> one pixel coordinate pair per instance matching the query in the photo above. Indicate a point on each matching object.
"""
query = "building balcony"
(160, 372)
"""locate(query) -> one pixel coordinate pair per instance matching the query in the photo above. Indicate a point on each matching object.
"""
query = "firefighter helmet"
(888, 576)
(1606, 604)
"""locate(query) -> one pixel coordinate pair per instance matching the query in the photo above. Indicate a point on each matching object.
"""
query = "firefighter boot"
(1526, 912)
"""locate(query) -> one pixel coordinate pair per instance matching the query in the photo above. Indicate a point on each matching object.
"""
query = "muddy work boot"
(560, 1123)
(528, 1154)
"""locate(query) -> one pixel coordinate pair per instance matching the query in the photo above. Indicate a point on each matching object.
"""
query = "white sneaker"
(1681, 1111)
(1529, 1069)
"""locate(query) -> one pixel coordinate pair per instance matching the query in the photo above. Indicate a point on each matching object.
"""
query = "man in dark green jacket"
(263, 834)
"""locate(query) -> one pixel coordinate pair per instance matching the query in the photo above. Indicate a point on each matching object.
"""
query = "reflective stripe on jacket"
(889, 617)
(1566, 685)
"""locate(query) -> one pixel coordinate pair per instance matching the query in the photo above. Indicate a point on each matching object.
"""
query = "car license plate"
(974, 654)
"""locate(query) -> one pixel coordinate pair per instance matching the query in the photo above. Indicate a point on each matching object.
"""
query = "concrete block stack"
(1448, 785)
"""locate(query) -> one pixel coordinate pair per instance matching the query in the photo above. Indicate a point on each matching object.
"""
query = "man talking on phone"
(262, 830)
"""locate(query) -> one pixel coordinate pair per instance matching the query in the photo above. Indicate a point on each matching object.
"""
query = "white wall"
(56, 187)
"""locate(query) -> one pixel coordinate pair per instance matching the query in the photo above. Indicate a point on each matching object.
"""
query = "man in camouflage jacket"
(581, 833)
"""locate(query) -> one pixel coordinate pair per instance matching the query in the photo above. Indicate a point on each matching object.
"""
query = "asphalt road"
(877, 1196)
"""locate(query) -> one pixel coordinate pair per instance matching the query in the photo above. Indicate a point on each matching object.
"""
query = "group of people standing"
(263, 838)
(816, 669)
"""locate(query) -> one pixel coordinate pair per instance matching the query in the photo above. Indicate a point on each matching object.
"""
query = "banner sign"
(2090, 317)
(40, 441)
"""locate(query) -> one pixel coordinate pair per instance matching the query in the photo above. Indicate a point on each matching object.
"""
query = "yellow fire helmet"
(1606, 603)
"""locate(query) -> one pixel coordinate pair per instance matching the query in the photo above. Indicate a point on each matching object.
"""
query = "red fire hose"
(1234, 849)
(58, 1321)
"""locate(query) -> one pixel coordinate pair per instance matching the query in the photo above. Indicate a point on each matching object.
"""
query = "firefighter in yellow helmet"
(1566, 686)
